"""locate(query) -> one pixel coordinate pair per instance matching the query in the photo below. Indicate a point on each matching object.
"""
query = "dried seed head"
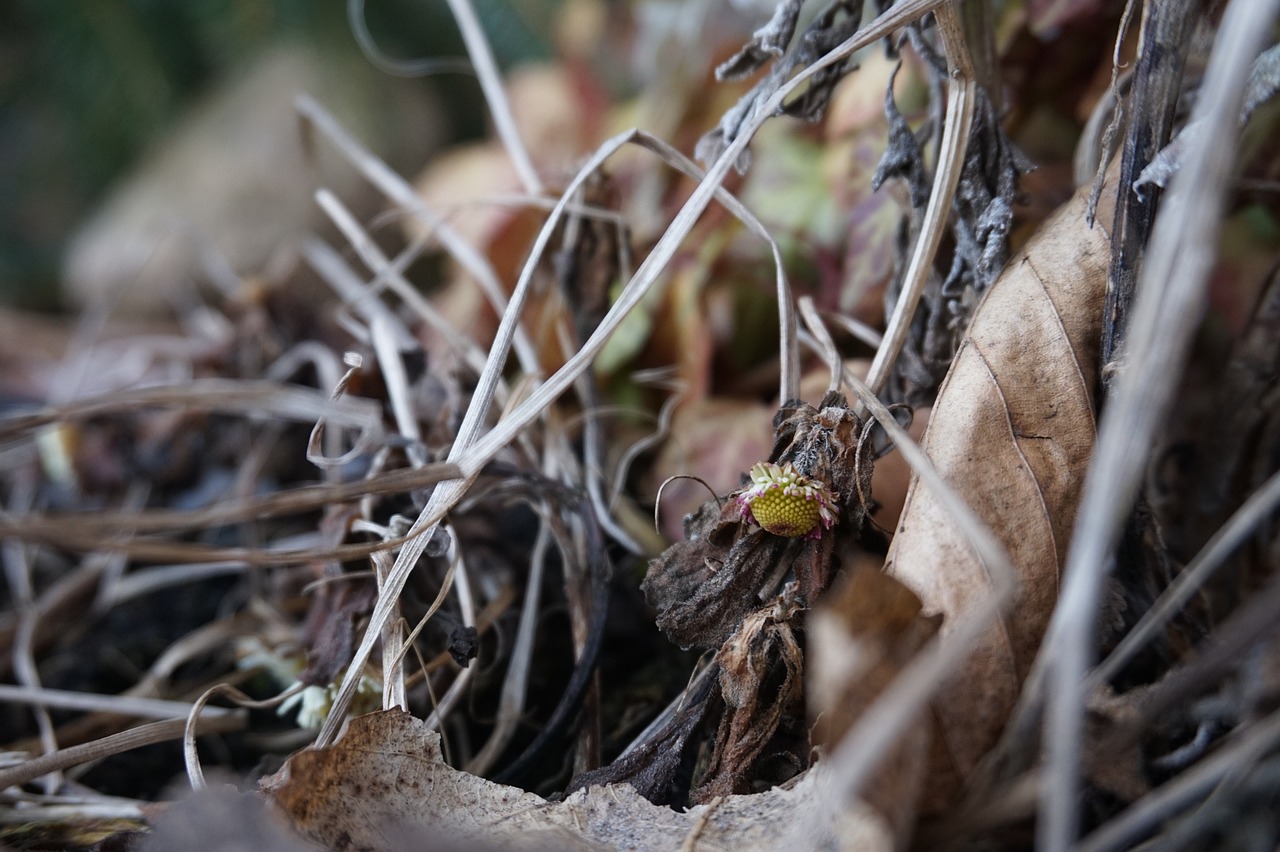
(787, 503)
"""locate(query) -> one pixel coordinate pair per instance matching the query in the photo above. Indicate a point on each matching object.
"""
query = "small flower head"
(787, 503)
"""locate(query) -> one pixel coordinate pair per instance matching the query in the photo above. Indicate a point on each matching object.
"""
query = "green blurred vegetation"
(87, 85)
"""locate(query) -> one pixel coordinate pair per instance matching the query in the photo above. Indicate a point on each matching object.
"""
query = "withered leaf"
(865, 631)
(385, 786)
(330, 630)
(1264, 84)
(705, 586)
(903, 157)
(833, 25)
(761, 681)
(982, 216)
(1012, 431)
(766, 43)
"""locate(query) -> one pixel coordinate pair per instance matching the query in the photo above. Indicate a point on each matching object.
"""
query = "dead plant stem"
(961, 102)
(495, 94)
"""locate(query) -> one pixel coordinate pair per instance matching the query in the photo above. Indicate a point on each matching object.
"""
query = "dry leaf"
(1012, 431)
(868, 627)
(384, 785)
(761, 683)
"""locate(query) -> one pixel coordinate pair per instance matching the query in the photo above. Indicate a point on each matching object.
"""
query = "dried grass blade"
(17, 569)
(385, 332)
(118, 704)
(59, 535)
(398, 190)
(494, 94)
(1260, 505)
(268, 400)
(305, 498)
(143, 735)
(191, 728)
(363, 299)
(515, 682)
(1186, 789)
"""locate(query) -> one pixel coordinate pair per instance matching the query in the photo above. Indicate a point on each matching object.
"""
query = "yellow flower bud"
(787, 503)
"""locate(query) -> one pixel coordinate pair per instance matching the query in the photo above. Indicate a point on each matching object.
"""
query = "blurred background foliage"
(87, 85)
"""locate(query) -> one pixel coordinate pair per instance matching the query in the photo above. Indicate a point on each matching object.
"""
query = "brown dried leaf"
(864, 633)
(705, 586)
(1012, 430)
(331, 629)
(384, 785)
(761, 683)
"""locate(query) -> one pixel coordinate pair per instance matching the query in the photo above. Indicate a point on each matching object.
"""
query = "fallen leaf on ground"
(385, 785)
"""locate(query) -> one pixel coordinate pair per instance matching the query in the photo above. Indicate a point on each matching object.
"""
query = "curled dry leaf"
(1012, 430)
(761, 672)
(385, 786)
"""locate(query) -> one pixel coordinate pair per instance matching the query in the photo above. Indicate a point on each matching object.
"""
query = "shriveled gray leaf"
(836, 24)
(903, 157)
(767, 43)
(983, 213)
